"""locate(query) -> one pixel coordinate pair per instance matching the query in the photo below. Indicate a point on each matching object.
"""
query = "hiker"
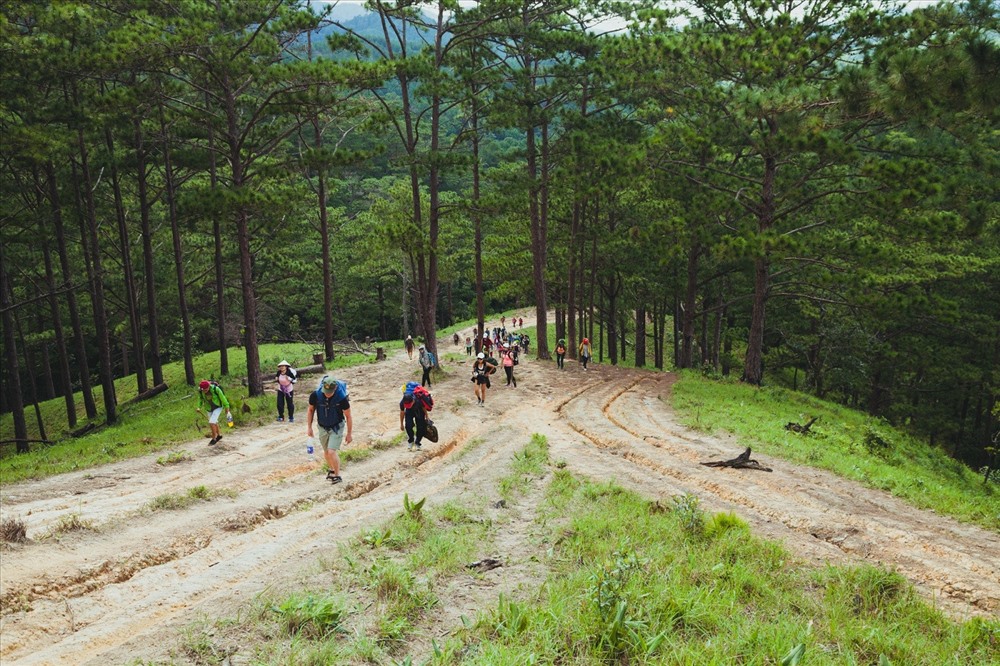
(408, 343)
(413, 408)
(286, 379)
(456, 339)
(427, 363)
(332, 409)
(525, 342)
(509, 361)
(468, 346)
(213, 398)
(503, 320)
(585, 352)
(520, 322)
(481, 371)
(560, 353)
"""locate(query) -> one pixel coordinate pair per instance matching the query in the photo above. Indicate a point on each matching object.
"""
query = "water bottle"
(229, 420)
(309, 450)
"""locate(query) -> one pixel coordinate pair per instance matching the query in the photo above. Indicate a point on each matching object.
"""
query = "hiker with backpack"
(332, 408)
(213, 398)
(560, 353)
(413, 409)
(509, 361)
(585, 352)
(427, 363)
(408, 343)
(286, 379)
(481, 371)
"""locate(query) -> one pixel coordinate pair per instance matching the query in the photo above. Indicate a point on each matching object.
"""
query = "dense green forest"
(798, 192)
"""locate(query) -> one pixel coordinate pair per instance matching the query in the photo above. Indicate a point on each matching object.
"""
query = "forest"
(791, 192)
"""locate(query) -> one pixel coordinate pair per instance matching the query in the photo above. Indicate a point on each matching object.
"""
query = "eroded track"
(101, 595)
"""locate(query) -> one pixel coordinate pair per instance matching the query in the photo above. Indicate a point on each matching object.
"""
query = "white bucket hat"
(285, 363)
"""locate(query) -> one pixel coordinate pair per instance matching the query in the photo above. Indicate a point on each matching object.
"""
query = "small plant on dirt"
(376, 537)
(413, 509)
(72, 522)
(173, 458)
(356, 455)
(200, 492)
(690, 514)
(13, 530)
(312, 616)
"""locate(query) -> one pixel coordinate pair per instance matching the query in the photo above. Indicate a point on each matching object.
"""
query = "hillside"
(122, 588)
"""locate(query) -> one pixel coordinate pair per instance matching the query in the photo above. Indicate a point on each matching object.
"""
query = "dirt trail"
(108, 595)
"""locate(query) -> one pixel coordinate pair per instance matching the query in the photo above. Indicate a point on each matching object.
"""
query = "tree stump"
(318, 359)
(380, 353)
(741, 461)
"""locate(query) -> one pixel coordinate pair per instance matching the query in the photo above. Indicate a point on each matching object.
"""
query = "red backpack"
(426, 399)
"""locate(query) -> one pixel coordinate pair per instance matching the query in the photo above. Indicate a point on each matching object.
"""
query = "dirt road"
(107, 595)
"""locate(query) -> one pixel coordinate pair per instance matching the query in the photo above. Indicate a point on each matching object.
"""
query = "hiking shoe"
(409, 446)
(280, 419)
(291, 420)
(418, 448)
(335, 480)
(212, 441)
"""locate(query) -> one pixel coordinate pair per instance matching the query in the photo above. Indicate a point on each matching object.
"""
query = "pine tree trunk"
(97, 288)
(477, 224)
(131, 293)
(12, 387)
(686, 359)
(149, 267)
(82, 364)
(168, 177)
(220, 273)
(43, 345)
(640, 336)
(62, 352)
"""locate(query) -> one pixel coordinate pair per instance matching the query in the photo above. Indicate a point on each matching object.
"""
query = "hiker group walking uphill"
(329, 405)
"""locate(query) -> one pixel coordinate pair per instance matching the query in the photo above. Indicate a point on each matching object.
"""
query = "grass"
(628, 581)
(165, 421)
(846, 442)
(174, 501)
(71, 522)
(173, 458)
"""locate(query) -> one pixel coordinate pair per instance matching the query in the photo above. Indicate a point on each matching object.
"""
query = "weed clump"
(13, 530)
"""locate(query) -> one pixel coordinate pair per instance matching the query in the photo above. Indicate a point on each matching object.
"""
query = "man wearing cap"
(212, 397)
(286, 379)
(332, 408)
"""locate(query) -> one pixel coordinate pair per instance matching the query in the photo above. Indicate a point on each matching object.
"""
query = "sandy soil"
(120, 593)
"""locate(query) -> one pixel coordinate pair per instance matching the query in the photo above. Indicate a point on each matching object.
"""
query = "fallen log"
(801, 429)
(80, 432)
(145, 395)
(310, 369)
(741, 461)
